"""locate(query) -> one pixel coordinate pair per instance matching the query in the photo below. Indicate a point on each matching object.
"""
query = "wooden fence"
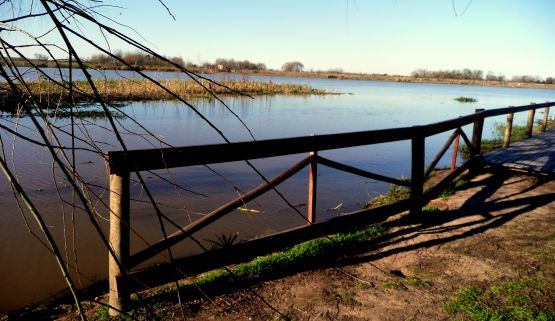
(123, 279)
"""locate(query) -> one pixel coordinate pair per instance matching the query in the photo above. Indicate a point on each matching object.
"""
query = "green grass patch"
(463, 99)
(394, 285)
(344, 297)
(416, 281)
(329, 247)
(430, 210)
(301, 255)
(518, 300)
(394, 193)
(101, 314)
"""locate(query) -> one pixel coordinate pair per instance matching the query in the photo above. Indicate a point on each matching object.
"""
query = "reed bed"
(49, 93)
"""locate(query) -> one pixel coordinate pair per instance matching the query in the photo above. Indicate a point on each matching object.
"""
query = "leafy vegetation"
(223, 241)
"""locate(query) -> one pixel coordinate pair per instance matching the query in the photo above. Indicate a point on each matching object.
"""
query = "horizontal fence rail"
(123, 280)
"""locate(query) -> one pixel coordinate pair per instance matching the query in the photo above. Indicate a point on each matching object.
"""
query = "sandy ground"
(495, 229)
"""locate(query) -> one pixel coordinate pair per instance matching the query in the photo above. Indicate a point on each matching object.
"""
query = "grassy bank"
(51, 94)
(311, 254)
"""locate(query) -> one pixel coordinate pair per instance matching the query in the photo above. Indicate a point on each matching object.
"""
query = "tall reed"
(51, 93)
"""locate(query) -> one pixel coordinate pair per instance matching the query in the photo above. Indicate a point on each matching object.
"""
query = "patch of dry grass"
(140, 90)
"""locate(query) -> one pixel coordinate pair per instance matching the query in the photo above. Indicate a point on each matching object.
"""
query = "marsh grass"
(51, 94)
(90, 114)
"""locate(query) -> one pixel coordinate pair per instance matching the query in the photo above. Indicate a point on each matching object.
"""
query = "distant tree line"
(222, 64)
(147, 62)
(292, 66)
(135, 59)
(468, 74)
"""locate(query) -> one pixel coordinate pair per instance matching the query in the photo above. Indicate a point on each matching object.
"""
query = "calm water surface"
(28, 271)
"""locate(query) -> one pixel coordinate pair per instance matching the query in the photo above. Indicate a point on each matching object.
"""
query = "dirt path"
(496, 229)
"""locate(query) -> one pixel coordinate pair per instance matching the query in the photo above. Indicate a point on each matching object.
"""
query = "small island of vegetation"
(463, 99)
(119, 90)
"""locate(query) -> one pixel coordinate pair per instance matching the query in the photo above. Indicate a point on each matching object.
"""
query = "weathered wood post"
(530, 123)
(508, 130)
(312, 182)
(477, 140)
(545, 119)
(119, 239)
(417, 172)
(477, 134)
(455, 152)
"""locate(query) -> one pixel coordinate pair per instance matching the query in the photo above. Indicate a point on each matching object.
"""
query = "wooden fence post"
(119, 239)
(545, 119)
(530, 123)
(508, 130)
(312, 182)
(417, 173)
(476, 141)
(455, 152)
(477, 134)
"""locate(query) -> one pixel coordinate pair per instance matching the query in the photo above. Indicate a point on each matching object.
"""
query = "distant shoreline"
(400, 78)
(319, 74)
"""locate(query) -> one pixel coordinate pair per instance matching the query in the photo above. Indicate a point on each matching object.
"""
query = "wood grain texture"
(535, 154)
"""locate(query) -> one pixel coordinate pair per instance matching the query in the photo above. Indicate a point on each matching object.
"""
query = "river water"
(29, 273)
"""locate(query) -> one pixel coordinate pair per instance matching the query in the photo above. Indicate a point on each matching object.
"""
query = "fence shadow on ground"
(482, 206)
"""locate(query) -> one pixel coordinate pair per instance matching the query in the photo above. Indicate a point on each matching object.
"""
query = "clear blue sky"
(512, 37)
